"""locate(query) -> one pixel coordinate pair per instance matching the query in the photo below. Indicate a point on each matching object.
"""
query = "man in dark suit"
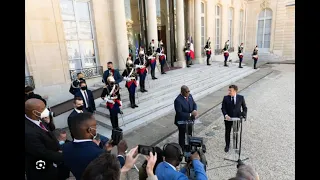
(87, 96)
(111, 72)
(74, 87)
(231, 108)
(79, 153)
(78, 108)
(186, 109)
(41, 146)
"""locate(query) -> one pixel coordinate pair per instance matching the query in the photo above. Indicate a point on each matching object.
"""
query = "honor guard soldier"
(187, 53)
(113, 101)
(130, 76)
(111, 72)
(240, 54)
(255, 57)
(207, 49)
(75, 85)
(162, 56)
(152, 59)
(141, 64)
(225, 52)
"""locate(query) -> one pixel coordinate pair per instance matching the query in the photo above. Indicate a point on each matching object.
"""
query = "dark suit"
(91, 105)
(183, 109)
(77, 156)
(73, 113)
(116, 76)
(232, 110)
(41, 145)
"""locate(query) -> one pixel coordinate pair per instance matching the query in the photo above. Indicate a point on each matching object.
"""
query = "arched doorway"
(264, 30)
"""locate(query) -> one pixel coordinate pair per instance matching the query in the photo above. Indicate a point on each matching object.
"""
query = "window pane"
(266, 44)
(87, 48)
(73, 49)
(269, 13)
(67, 12)
(202, 7)
(217, 11)
(75, 64)
(202, 41)
(70, 30)
(261, 14)
(85, 30)
(202, 21)
(90, 62)
(202, 31)
(83, 11)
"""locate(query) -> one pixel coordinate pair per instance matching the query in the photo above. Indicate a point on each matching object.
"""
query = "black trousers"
(182, 134)
(208, 58)
(255, 63)
(132, 98)
(228, 127)
(161, 67)
(153, 72)
(114, 118)
(240, 61)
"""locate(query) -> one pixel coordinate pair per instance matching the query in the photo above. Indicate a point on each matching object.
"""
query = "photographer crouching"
(173, 156)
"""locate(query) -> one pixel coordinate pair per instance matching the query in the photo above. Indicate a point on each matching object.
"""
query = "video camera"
(195, 144)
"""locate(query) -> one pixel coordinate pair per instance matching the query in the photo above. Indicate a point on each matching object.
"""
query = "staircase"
(158, 101)
(265, 56)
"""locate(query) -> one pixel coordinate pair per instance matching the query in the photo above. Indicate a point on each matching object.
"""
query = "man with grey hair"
(186, 109)
(246, 172)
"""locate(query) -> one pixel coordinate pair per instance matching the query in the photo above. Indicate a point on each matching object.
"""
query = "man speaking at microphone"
(186, 109)
(231, 108)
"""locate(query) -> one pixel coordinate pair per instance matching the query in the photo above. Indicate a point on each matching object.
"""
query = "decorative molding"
(265, 4)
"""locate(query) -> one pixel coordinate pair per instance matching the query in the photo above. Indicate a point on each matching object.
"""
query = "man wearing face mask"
(111, 72)
(79, 153)
(40, 143)
(29, 94)
(74, 87)
(226, 52)
(78, 108)
(87, 96)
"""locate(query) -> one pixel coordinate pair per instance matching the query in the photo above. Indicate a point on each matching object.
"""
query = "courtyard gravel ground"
(268, 134)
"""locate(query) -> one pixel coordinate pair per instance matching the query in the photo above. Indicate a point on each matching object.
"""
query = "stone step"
(169, 92)
(164, 89)
(158, 107)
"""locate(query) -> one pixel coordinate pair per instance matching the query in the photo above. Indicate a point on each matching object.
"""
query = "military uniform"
(207, 49)
(255, 57)
(152, 59)
(130, 75)
(187, 53)
(141, 65)
(240, 54)
(161, 56)
(226, 52)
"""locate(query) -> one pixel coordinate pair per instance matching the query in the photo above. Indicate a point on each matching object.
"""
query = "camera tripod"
(237, 122)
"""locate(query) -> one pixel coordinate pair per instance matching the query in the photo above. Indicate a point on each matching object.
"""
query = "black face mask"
(84, 87)
(109, 68)
(79, 108)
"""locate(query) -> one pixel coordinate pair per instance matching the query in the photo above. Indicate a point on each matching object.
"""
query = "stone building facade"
(67, 36)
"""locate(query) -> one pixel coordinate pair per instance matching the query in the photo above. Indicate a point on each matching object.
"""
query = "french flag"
(191, 48)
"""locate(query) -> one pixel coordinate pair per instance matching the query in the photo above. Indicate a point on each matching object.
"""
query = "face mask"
(61, 142)
(84, 87)
(109, 68)
(93, 136)
(80, 108)
(44, 114)
(227, 43)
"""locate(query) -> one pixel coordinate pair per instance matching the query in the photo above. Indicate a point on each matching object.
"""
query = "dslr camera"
(195, 144)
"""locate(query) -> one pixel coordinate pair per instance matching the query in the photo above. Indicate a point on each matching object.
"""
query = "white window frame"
(241, 26)
(230, 24)
(218, 27)
(264, 18)
(203, 36)
(82, 58)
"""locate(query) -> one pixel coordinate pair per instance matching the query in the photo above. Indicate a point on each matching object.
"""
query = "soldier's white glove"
(137, 83)
(110, 101)
(112, 98)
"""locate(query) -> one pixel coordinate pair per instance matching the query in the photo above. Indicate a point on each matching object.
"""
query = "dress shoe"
(226, 149)
(145, 90)
(132, 106)
(209, 64)
(163, 73)
(188, 66)
(226, 65)
(120, 112)
(155, 78)
(136, 105)
(119, 129)
(240, 67)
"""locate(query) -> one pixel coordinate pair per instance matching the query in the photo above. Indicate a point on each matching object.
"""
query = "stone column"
(197, 31)
(180, 34)
(120, 29)
(152, 22)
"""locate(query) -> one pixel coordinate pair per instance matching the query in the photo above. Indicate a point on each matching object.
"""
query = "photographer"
(172, 157)
(143, 175)
(186, 109)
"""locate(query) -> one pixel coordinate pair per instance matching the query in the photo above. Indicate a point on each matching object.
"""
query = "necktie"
(42, 126)
(232, 100)
(186, 98)
(85, 93)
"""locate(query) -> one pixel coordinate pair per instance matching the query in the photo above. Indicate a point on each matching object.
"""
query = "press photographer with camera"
(186, 109)
(173, 156)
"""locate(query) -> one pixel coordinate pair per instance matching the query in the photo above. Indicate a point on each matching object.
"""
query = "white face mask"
(61, 142)
(44, 114)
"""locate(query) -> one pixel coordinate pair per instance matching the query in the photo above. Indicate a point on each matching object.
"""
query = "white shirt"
(85, 94)
(36, 122)
(82, 140)
(170, 165)
(78, 111)
(234, 98)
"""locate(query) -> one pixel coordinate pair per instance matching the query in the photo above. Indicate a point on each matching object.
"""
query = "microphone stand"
(239, 161)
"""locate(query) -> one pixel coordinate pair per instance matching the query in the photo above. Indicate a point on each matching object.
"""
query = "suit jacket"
(234, 110)
(77, 156)
(41, 145)
(165, 172)
(116, 76)
(92, 105)
(183, 108)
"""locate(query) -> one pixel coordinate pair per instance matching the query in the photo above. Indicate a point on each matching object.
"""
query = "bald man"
(42, 150)
(186, 109)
